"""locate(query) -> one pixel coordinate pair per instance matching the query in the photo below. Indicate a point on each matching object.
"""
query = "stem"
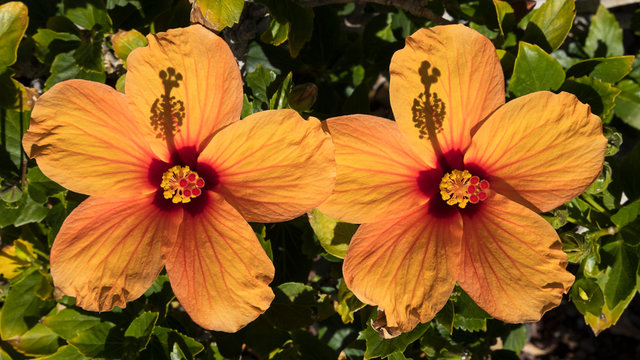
(593, 203)
(414, 7)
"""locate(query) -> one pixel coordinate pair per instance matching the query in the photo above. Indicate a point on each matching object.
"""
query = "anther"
(180, 184)
(459, 187)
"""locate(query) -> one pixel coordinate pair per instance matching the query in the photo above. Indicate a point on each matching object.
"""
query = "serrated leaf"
(626, 214)
(550, 24)
(39, 340)
(168, 338)
(258, 81)
(587, 296)
(377, 346)
(68, 323)
(333, 235)
(628, 103)
(347, 303)
(595, 92)
(139, 332)
(22, 308)
(14, 19)
(299, 18)
(50, 43)
(100, 340)
(276, 33)
(88, 14)
(41, 187)
(609, 70)
(66, 352)
(65, 67)
(124, 42)
(535, 70)
(31, 212)
(468, 315)
(621, 261)
(605, 35)
(216, 14)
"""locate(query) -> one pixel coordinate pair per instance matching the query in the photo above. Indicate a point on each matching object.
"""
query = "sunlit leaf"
(628, 103)
(595, 92)
(39, 340)
(605, 35)
(14, 19)
(216, 14)
(550, 24)
(124, 42)
(609, 70)
(69, 322)
(535, 70)
(377, 346)
(333, 235)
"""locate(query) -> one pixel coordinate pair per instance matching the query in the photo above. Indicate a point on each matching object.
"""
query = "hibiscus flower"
(450, 191)
(172, 178)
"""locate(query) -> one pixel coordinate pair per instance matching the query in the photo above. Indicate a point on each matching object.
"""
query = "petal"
(273, 165)
(84, 137)
(209, 87)
(510, 261)
(443, 82)
(218, 270)
(110, 251)
(400, 266)
(543, 147)
(377, 169)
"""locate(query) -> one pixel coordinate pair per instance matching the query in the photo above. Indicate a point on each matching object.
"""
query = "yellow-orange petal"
(542, 148)
(218, 269)
(83, 136)
(510, 261)
(208, 92)
(110, 251)
(400, 266)
(273, 165)
(443, 82)
(378, 170)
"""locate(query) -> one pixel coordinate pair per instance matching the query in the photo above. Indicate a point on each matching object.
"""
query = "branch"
(414, 7)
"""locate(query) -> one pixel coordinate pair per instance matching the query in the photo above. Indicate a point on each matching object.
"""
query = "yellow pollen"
(459, 187)
(180, 184)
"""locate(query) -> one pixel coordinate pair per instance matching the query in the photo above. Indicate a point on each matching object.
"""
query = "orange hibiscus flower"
(449, 192)
(173, 178)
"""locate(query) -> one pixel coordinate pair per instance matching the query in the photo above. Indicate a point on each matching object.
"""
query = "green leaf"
(216, 14)
(169, 338)
(276, 33)
(622, 262)
(66, 352)
(609, 70)
(279, 100)
(14, 19)
(40, 187)
(468, 315)
(139, 332)
(628, 103)
(258, 81)
(68, 322)
(587, 296)
(65, 67)
(299, 18)
(13, 124)
(88, 14)
(550, 24)
(595, 92)
(605, 35)
(31, 212)
(505, 14)
(333, 235)
(39, 340)
(378, 346)
(516, 339)
(50, 43)
(124, 42)
(100, 340)
(626, 214)
(575, 245)
(295, 305)
(22, 307)
(347, 303)
(535, 70)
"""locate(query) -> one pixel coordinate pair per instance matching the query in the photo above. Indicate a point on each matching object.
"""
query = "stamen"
(180, 184)
(459, 187)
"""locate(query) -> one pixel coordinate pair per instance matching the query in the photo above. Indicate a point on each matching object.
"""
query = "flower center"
(180, 184)
(460, 187)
